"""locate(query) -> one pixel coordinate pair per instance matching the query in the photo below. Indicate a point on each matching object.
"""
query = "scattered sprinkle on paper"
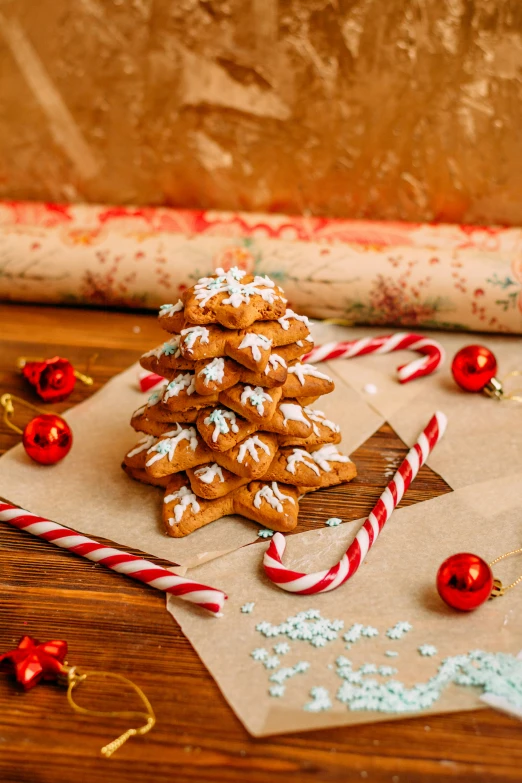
(320, 700)
(282, 648)
(398, 630)
(259, 654)
(265, 533)
(428, 650)
(333, 522)
(247, 608)
(277, 690)
(307, 626)
(391, 654)
(370, 388)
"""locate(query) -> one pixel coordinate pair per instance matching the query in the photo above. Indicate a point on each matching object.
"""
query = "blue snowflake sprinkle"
(259, 654)
(265, 533)
(277, 691)
(369, 632)
(321, 700)
(272, 662)
(427, 649)
(248, 607)
(387, 671)
(333, 522)
(169, 349)
(391, 654)
(282, 648)
(398, 630)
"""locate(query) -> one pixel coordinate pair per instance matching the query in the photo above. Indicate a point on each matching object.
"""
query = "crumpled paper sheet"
(395, 583)
(89, 491)
(484, 436)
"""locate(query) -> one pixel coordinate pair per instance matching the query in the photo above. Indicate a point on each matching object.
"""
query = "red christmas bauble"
(53, 379)
(464, 581)
(473, 367)
(47, 438)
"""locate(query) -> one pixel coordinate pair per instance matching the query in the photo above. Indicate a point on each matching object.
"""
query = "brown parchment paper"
(484, 436)
(89, 492)
(395, 583)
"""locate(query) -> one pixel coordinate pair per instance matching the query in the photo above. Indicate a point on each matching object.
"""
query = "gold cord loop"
(6, 401)
(74, 678)
(516, 394)
(499, 588)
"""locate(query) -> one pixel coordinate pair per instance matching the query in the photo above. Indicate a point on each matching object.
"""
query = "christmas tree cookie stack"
(232, 429)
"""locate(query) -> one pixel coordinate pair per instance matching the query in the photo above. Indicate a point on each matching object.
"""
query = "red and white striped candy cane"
(143, 570)
(148, 380)
(323, 581)
(432, 358)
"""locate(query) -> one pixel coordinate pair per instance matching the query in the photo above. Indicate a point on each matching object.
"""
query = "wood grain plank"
(114, 624)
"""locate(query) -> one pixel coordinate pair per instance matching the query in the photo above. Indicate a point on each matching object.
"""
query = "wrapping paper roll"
(445, 276)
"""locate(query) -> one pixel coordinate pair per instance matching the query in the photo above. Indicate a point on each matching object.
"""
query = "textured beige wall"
(390, 109)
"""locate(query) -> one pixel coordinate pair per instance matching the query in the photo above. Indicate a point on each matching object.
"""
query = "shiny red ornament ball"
(464, 581)
(473, 367)
(47, 438)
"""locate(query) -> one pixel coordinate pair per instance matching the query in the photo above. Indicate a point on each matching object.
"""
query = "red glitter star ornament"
(32, 662)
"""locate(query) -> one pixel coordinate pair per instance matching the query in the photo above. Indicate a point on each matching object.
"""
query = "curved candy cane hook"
(432, 352)
(323, 581)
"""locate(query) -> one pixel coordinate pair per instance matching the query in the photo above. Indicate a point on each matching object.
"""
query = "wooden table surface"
(115, 624)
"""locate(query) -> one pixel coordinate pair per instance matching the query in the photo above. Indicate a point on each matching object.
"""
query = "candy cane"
(433, 352)
(148, 380)
(323, 581)
(130, 565)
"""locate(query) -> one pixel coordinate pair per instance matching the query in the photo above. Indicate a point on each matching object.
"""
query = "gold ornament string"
(498, 587)
(74, 678)
(6, 401)
(516, 394)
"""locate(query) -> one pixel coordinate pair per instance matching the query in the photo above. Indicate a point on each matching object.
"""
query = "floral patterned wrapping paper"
(416, 275)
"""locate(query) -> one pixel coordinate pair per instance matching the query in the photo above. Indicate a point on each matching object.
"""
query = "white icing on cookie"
(209, 472)
(185, 499)
(169, 442)
(156, 396)
(193, 333)
(249, 447)
(142, 445)
(327, 454)
(302, 370)
(319, 418)
(256, 397)
(255, 342)
(170, 348)
(299, 455)
(140, 411)
(273, 496)
(220, 419)
(293, 412)
(180, 382)
(229, 283)
(273, 361)
(170, 309)
(213, 371)
(285, 319)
